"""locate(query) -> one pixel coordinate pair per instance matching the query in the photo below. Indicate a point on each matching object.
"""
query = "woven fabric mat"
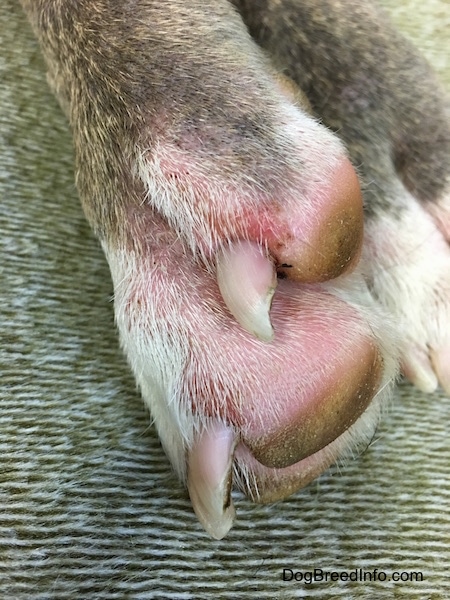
(89, 508)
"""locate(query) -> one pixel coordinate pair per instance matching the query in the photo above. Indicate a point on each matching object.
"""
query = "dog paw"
(408, 261)
(267, 416)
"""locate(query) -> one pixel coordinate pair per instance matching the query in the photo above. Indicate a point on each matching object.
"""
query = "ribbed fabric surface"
(89, 508)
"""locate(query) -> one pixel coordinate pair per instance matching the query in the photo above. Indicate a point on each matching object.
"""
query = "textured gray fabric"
(88, 505)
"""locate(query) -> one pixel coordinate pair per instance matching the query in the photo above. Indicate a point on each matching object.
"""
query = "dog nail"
(210, 463)
(247, 282)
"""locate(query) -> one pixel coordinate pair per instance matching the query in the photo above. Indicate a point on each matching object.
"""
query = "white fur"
(407, 261)
(157, 359)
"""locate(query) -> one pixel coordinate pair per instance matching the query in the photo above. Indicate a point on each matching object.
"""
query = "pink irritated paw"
(225, 210)
(212, 201)
(275, 413)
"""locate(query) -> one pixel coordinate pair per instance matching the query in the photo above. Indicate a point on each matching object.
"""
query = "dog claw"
(441, 363)
(247, 281)
(210, 463)
(419, 371)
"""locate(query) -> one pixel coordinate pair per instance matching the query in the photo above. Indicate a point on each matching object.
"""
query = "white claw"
(417, 368)
(210, 463)
(441, 363)
(247, 280)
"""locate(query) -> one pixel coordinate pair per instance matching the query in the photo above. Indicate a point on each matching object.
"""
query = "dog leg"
(209, 185)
